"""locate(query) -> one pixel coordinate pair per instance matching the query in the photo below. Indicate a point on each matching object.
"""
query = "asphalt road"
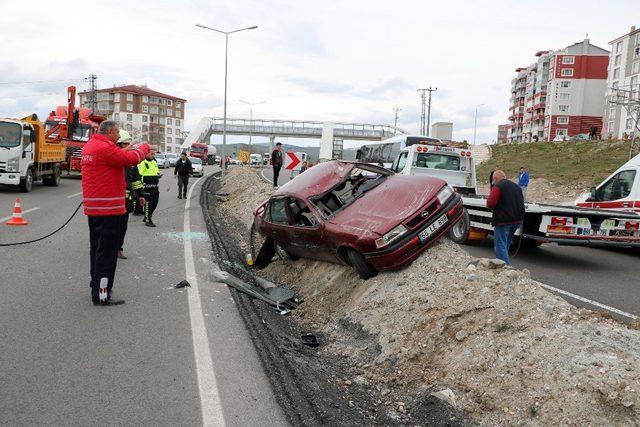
(64, 361)
(608, 277)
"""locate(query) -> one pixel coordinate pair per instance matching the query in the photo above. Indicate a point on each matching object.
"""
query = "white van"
(620, 191)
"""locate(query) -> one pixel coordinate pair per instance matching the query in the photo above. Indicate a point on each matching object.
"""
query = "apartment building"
(503, 134)
(559, 94)
(623, 84)
(150, 116)
(576, 88)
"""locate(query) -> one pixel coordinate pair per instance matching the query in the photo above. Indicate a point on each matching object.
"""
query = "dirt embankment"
(541, 190)
(511, 352)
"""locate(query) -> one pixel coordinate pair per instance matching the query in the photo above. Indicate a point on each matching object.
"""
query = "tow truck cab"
(620, 191)
(454, 165)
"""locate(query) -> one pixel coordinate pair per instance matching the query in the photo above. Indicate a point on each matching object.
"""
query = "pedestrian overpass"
(288, 128)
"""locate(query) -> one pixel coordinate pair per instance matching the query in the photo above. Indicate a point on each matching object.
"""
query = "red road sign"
(292, 160)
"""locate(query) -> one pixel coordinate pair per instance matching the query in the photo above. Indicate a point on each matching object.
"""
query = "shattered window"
(301, 214)
(355, 185)
(277, 211)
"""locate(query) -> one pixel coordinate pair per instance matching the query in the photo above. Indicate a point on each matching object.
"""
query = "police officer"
(103, 195)
(133, 191)
(150, 173)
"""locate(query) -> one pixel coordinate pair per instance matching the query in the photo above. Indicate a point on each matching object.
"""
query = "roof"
(139, 90)
(631, 32)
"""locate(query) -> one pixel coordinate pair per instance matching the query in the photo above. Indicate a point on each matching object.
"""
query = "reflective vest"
(149, 172)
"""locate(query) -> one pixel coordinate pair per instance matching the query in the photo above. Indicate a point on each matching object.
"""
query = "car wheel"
(283, 254)
(460, 230)
(364, 269)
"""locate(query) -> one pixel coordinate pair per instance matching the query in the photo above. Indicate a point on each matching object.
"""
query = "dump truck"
(27, 154)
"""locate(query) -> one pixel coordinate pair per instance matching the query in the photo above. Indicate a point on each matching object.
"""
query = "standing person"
(182, 172)
(133, 191)
(103, 195)
(495, 168)
(150, 173)
(276, 162)
(523, 181)
(507, 203)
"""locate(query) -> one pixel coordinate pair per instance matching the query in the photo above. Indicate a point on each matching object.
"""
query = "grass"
(586, 162)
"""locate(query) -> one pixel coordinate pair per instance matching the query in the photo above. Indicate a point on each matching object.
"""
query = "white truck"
(255, 159)
(564, 225)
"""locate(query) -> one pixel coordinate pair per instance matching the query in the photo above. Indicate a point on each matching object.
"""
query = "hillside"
(584, 163)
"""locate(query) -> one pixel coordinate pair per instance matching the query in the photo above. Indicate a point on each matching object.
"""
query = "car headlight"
(12, 164)
(391, 236)
(445, 194)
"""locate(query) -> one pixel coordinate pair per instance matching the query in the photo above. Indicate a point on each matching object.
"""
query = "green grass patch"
(563, 162)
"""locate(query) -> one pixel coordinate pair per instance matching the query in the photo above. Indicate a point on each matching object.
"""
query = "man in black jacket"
(276, 162)
(507, 202)
(182, 172)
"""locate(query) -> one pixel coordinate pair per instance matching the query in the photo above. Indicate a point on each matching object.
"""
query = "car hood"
(389, 204)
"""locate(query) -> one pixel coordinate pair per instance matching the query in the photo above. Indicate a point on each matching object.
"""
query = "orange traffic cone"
(16, 219)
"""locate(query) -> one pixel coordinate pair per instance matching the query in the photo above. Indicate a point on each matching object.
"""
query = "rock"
(385, 391)
(446, 395)
(526, 272)
(461, 335)
(511, 274)
(491, 264)
(471, 267)
(359, 380)
(472, 278)
(351, 404)
(347, 382)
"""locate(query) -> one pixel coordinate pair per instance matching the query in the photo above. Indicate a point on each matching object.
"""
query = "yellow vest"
(148, 168)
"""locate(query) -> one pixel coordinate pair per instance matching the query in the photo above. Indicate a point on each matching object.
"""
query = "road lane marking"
(266, 179)
(210, 406)
(588, 301)
(70, 196)
(7, 218)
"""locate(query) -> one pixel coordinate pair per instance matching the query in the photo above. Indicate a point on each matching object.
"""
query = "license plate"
(430, 230)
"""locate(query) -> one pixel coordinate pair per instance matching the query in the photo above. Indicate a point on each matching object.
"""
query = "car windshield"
(195, 160)
(9, 134)
(197, 149)
(361, 180)
(172, 155)
(160, 156)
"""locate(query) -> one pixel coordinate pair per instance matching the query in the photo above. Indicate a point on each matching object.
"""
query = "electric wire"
(48, 235)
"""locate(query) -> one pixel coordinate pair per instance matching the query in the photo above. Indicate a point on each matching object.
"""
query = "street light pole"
(226, 51)
(251, 104)
(475, 123)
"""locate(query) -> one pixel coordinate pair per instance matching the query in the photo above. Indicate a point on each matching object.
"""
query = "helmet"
(124, 137)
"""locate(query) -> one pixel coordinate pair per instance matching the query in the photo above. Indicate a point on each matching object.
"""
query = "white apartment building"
(623, 78)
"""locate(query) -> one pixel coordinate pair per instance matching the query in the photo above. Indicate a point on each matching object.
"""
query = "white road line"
(588, 301)
(7, 218)
(210, 405)
(71, 196)
(266, 179)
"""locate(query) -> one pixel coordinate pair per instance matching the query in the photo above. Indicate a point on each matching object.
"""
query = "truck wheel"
(460, 230)
(528, 243)
(283, 254)
(26, 184)
(364, 269)
(52, 180)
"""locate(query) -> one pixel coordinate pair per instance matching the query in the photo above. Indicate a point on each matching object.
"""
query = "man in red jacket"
(103, 194)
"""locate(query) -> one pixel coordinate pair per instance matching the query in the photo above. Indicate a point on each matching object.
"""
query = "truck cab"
(620, 191)
(454, 165)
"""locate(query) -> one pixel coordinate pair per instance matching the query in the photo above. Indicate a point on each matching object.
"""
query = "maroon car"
(357, 214)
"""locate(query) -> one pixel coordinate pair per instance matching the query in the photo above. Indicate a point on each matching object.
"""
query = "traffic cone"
(16, 219)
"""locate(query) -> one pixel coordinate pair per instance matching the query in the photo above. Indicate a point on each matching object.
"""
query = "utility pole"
(395, 120)
(629, 100)
(426, 110)
(93, 91)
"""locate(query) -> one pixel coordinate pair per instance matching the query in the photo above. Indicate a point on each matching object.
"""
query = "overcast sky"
(350, 61)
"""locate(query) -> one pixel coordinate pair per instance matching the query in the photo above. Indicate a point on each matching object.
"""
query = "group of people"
(119, 178)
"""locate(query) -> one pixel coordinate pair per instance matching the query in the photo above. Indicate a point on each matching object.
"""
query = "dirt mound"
(511, 352)
(542, 190)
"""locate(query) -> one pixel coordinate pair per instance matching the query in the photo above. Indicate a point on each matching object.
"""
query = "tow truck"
(564, 225)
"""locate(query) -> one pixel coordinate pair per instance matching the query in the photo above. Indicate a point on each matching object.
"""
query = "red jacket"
(103, 183)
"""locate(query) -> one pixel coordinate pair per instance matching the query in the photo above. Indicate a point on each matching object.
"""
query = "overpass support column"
(272, 140)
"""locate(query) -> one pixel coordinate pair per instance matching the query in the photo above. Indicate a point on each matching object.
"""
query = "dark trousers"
(124, 223)
(152, 197)
(183, 182)
(104, 238)
(276, 173)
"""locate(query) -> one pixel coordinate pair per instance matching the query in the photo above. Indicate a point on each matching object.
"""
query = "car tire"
(283, 254)
(362, 267)
(26, 184)
(460, 230)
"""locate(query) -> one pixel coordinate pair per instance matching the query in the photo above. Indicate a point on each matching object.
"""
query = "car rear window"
(437, 161)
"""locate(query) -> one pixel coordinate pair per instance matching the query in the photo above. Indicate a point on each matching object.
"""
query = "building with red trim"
(559, 95)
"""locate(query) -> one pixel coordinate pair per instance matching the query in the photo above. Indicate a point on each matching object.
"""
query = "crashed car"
(357, 214)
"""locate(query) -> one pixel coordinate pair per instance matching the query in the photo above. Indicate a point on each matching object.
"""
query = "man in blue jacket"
(523, 181)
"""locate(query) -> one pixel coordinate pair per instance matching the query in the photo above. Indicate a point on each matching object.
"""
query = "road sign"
(244, 156)
(292, 160)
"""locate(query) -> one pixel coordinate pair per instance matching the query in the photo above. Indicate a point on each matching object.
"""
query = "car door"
(278, 227)
(617, 192)
(308, 232)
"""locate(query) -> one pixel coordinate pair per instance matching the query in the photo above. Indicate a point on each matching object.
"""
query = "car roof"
(323, 177)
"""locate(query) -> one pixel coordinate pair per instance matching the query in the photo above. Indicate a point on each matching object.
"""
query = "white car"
(162, 161)
(173, 158)
(197, 168)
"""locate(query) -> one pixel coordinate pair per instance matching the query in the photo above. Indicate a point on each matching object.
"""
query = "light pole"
(475, 123)
(251, 104)
(395, 120)
(226, 50)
